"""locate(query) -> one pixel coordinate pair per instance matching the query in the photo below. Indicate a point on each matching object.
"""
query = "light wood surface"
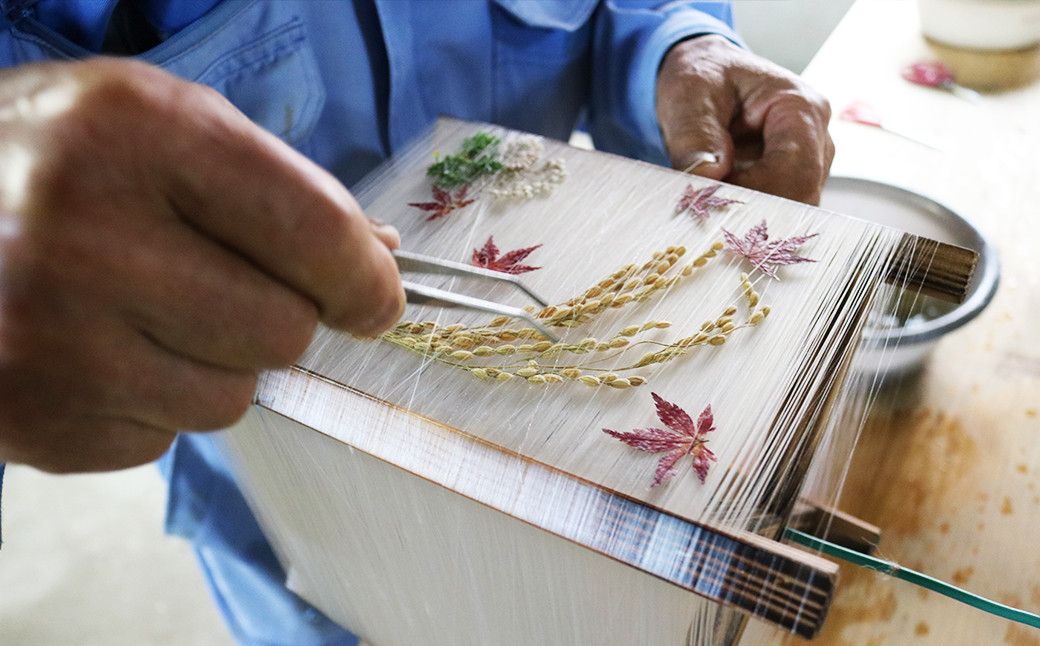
(949, 465)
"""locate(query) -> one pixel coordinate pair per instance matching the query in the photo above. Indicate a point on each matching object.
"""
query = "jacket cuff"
(631, 43)
(648, 58)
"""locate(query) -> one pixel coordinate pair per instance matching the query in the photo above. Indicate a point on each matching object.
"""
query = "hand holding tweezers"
(417, 294)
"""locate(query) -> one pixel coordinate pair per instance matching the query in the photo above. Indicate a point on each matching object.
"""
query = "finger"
(171, 392)
(254, 194)
(695, 160)
(133, 378)
(796, 150)
(195, 299)
(296, 221)
(109, 370)
(49, 423)
(98, 445)
(177, 286)
(63, 422)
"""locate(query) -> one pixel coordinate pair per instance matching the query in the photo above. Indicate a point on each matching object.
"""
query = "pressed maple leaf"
(488, 258)
(701, 201)
(681, 437)
(765, 254)
(444, 202)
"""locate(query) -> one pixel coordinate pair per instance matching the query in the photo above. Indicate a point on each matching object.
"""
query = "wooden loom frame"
(742, 570)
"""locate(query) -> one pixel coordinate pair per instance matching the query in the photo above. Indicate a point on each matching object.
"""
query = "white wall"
(788, 32)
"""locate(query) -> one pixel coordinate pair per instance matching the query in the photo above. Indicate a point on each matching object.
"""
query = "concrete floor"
(85, 562)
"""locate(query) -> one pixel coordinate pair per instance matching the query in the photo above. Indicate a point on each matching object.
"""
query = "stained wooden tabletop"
(949, 463)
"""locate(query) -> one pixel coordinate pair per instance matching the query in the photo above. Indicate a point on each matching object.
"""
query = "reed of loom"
(351, 455)
(921, 266)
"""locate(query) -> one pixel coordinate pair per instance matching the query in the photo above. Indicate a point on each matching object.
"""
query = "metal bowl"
(903, 346)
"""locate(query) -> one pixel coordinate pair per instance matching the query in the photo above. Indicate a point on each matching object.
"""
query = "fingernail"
(699, 158)
(379, 225)
(385, 231)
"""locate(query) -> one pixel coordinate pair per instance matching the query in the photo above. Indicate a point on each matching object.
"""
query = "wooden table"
(949, 465)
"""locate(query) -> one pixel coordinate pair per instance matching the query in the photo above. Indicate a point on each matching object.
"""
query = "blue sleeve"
(631, 39)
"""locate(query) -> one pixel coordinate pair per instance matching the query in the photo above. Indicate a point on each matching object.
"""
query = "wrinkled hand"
(767, 129)
(157, 250)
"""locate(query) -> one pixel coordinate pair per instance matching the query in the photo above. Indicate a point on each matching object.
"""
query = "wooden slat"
(761, 577)
(933, 268)
(835, 526)
(447, 432)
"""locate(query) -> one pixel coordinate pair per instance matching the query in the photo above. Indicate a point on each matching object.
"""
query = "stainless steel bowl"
(901, 348)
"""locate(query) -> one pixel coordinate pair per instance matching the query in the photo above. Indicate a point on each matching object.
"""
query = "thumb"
(700, 163)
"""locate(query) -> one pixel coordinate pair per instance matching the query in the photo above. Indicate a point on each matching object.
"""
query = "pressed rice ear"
(471, 348)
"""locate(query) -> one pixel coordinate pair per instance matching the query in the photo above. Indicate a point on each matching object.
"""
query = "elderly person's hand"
(766, 128)
(157, 250)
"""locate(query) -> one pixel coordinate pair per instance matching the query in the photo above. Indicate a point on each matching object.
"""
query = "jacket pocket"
(274, 80)
(541, 62)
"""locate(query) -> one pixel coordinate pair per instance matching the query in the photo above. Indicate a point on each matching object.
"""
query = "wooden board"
(443, 418)
(592, 225)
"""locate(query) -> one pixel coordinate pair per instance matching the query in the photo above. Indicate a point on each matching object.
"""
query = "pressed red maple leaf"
(682, 437)
(444, 202)
(765, 254)
(701, 201)
(509, 263)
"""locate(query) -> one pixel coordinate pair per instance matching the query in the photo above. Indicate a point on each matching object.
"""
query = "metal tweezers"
(417, 294)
